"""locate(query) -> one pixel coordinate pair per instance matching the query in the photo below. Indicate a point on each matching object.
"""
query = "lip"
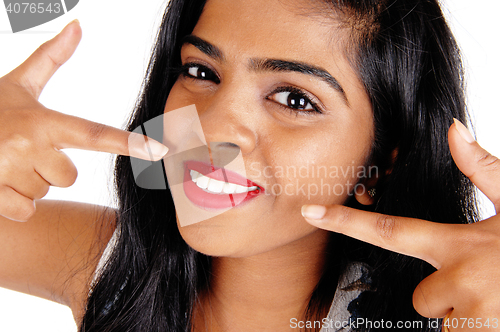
(221, 174)
(209, 201)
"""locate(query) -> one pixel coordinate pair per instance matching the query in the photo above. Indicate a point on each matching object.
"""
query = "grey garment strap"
(354, 281)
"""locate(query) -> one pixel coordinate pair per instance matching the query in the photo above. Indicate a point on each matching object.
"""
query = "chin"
(207, 242)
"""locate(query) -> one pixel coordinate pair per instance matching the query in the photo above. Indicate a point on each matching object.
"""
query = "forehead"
(278, 27)
(281, 29)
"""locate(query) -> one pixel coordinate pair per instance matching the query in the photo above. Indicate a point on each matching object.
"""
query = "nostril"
(214, 146)
(228, 144)
(222, 153)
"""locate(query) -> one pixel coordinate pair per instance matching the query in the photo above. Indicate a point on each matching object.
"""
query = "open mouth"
(213, 188)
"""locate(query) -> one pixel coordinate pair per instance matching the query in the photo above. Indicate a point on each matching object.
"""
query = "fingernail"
(313, 211)
(148, 150)
(463, 131)
(157, 149)
(75, 21)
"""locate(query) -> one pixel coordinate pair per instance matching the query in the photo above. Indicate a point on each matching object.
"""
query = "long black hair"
(410, 65)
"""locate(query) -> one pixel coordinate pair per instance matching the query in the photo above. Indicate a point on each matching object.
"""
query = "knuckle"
(70, 173)
(28, 83)
(488, 161)
(22, 130)
(343, 216)
(69, 177)
(18, 143)
(385, 227)
(45, 51)
(24, 211)
(66, 172)
(14, 206)
(42, 191)
(95, 131)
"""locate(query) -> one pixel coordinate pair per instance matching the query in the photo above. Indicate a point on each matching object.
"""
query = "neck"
(263, 292)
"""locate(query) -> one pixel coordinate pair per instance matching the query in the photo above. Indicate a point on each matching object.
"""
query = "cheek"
(178, 98)
(317, 164)
(322, 169)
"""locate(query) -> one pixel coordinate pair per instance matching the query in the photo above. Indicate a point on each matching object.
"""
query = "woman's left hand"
(466, 285)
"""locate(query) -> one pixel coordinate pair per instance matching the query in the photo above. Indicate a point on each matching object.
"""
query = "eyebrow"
(204, 46)
(273, 65)
(299, 67)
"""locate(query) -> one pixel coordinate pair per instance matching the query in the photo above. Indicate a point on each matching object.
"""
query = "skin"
(33, 136)
(34, 256)
(265, 242)
(465, 285)
(268, 133)
(54, 255)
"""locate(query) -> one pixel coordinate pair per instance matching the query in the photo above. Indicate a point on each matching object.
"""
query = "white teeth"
(194, 175)
(241, 189)
(216, 186)
(202, 181)
(229, 188)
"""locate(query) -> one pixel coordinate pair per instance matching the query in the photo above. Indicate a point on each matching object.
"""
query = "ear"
(366, 191)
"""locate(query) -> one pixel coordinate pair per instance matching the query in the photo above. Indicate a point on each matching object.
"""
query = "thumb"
(475, 162)
(34, 73)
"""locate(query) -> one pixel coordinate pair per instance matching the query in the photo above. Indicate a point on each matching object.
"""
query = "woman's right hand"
(32, 136)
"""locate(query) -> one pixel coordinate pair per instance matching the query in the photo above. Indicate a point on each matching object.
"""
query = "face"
(274, 82)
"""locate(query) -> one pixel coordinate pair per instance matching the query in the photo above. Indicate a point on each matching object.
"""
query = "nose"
(229, 119)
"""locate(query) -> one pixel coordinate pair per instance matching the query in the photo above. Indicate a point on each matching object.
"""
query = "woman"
(381, 90)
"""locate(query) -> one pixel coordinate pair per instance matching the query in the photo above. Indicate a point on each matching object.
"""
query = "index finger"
(412, 237)
(73, 132)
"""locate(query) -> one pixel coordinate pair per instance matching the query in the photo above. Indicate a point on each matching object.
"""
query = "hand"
(466, 284)
(31, 136)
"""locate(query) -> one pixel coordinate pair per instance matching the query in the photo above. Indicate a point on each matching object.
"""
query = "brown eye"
(293, 100)
(201, 73)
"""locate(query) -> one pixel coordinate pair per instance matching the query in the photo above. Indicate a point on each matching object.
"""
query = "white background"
(102, 80)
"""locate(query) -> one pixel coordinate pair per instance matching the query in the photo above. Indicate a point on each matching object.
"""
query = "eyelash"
(184, 71)
(299, 93)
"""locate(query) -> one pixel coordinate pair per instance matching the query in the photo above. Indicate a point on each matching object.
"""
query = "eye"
(200, 72)
(294, 98)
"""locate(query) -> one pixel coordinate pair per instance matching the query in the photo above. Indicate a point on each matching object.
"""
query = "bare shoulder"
(55, 253)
